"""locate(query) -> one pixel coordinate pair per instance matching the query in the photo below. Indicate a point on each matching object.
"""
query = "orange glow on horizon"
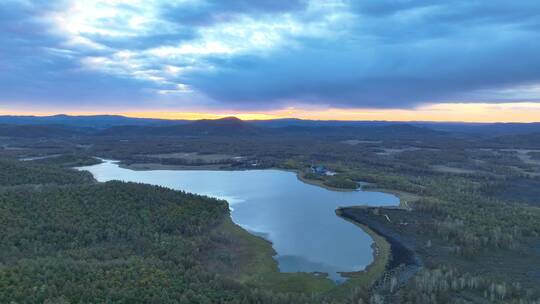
(443, 112)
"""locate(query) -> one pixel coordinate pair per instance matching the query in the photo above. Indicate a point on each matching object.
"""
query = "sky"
(454, 60)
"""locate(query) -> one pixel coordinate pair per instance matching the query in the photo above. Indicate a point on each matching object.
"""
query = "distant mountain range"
(37, 131)
(223, 126)
(228, 126)
(116, 125)
(92, 121)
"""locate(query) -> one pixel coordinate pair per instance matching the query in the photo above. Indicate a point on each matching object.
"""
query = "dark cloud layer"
(382, 54)
(402, 54)
(392, 75)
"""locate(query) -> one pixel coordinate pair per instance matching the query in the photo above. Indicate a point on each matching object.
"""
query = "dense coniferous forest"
(16, 173)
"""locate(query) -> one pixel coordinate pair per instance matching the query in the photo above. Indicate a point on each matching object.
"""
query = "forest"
(469, 212)
(76, 241)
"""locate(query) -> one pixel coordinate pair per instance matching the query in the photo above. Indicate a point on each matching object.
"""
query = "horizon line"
(213, 116)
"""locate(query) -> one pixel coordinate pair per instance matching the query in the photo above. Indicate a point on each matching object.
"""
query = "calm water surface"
(299, 219)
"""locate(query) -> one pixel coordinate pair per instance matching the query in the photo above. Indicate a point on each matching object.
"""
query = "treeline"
(13, 172)
(114, 243)
(473, 222)
(81, 233)
(341, 181)
(471, 225)
(336, 181)
(464, 215)
(68, 160)
(448, 285)
(183, 161)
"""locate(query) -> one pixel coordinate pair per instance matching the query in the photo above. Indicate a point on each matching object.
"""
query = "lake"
(299, 219)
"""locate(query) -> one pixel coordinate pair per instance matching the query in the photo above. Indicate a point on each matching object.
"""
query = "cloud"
(206, 13)
(248, 55)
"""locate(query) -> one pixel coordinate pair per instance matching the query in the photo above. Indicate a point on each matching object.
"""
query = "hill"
(403, 132)
(223, 126)
(217, 126)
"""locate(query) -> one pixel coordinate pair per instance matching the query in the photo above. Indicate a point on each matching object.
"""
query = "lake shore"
(400, 260)
(383, 254)
(156, 166)
(257, 266)
(403, 196)
(300, 176)
(221, 167)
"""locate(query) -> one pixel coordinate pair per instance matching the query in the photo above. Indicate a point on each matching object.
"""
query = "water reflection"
(299, 219)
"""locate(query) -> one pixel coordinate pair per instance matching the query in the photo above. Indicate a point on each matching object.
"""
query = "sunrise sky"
(401, 60)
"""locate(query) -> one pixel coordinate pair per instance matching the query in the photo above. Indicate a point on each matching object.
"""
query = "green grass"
(257, 267)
